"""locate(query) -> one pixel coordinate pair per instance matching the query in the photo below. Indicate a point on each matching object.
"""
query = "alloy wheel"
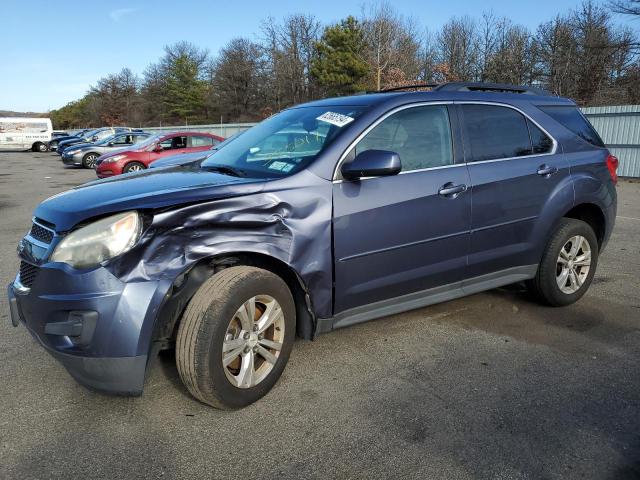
(253, 341)
(573, 264)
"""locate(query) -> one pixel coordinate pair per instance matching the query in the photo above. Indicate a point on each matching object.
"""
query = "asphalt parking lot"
(489, 386)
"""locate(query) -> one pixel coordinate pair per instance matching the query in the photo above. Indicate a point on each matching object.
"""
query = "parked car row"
(116, 150)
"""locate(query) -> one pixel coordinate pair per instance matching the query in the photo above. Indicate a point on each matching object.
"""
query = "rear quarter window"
(571, 118)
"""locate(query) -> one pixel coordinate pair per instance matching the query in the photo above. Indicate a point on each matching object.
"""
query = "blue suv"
(325, 215)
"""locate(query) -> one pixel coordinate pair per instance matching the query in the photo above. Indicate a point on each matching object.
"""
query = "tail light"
(612, 166)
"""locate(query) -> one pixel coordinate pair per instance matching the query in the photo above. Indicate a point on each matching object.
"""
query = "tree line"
(582, 54)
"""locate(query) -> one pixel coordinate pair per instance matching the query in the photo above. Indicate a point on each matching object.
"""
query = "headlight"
(115, 158)
(99, 241)
(72, 152)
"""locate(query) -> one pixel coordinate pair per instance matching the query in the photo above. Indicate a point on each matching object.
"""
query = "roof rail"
(407, 87)
(490, 87)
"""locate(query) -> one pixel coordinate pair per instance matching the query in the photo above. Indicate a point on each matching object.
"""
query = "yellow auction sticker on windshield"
(336, 119)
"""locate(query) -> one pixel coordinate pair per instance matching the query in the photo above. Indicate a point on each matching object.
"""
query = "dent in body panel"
(291, 224)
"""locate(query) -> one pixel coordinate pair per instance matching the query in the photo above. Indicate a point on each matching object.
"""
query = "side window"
(201, 141)
(139, 138)
(178, 143)
(122, 140)
(166, 144)
(572, 119)
(421, 136)
(540, 141)
(495, 132)
(174, 143)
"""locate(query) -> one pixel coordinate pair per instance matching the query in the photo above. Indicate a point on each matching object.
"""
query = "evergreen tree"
(339, 66)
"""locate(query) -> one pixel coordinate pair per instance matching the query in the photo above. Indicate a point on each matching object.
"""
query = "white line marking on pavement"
(629, 218)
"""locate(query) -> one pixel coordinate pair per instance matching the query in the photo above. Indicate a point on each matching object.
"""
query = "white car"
(22, 133)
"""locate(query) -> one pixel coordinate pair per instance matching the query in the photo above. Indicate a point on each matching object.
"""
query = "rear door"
(515, 168)
(402, 234)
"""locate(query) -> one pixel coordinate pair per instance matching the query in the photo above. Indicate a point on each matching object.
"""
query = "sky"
(51, 52)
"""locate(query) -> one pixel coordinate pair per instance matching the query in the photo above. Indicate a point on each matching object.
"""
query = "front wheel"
(133, 167)
(235, 337)
(89, 160)
(568, 264)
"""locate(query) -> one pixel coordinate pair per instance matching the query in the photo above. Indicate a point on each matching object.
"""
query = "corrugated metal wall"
(619, 127)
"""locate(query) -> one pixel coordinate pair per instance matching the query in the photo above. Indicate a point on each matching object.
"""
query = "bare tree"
(626, 7)
(458, 46)
(393, 44)
(238, 81)
(289, 48)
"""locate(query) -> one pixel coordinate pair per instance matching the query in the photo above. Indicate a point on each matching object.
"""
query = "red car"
(139, 156)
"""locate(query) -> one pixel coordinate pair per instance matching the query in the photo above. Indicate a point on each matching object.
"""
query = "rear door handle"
(451, 190)
(546, 170)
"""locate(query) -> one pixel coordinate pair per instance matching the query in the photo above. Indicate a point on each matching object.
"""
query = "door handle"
(546, 170)
(451, 190)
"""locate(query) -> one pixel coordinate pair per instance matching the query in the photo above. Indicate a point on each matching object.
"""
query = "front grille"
(40, 233)
(28, 274)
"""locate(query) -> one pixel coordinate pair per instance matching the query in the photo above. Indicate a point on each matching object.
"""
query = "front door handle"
(451, 190)
(546, 170)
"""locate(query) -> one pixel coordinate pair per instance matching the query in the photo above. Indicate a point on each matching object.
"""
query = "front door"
(409, 232)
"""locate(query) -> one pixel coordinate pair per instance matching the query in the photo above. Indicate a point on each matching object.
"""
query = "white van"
(22, 133)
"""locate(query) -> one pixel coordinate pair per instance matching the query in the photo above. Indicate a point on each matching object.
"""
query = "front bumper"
(97, 326)
(105, 172)
(69, 159)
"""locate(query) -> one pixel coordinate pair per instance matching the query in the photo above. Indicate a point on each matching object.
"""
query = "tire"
(133, 167)
(39, 147)
(546, 284)
(89, 160)
(211, 315)
(52, 147)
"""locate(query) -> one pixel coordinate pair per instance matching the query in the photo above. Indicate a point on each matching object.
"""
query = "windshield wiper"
(226, 170)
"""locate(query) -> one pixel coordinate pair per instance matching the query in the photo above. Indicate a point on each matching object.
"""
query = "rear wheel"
(133, 167)
(235, 337)
(89, 160)
(568, 264)
(39, 147)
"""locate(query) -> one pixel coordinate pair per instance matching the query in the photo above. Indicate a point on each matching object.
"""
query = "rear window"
(572, 119)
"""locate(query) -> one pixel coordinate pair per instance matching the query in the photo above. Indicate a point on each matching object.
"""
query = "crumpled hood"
(149, 189)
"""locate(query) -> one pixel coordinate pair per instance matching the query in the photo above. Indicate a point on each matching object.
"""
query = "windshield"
(90, 133)
(110, 138)
(149, 141)
(285, 143)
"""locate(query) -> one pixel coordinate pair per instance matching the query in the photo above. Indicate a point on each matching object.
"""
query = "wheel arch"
(593, 215)
(188, 282)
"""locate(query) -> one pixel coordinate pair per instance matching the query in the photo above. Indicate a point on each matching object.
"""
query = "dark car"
(52, 146)
(140, 156)
(323, 216)
(86, 154)
(93, 137)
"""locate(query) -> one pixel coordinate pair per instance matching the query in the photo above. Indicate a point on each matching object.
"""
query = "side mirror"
(157, 148)
(94, 138)
(372, 163)
(110, 144)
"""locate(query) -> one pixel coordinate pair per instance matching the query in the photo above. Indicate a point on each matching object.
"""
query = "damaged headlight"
(99, 241)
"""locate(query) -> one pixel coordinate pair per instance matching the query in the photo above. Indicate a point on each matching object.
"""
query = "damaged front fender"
(288, 220)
